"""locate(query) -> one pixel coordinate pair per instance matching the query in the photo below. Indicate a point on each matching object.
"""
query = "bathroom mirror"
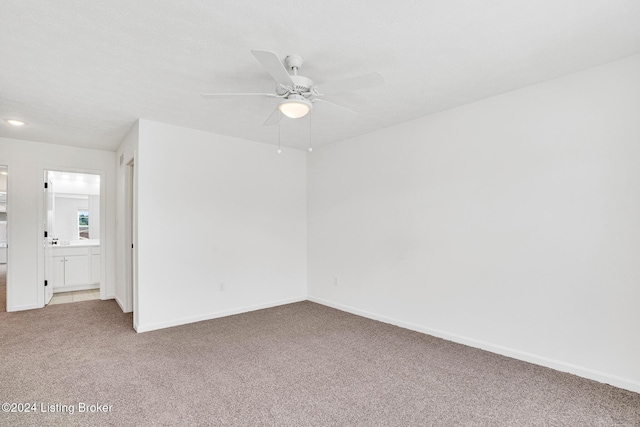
(76, 207)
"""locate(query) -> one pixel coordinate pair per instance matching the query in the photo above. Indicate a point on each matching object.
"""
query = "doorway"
(4, 244)
(130, 249)
(72, 240)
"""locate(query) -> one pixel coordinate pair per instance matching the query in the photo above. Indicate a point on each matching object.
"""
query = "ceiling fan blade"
(223, 95)
(334, 108)
(273, 119)
(274, 66)
(354, 83)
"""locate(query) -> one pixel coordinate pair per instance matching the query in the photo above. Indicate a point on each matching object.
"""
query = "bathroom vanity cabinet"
(76, 268)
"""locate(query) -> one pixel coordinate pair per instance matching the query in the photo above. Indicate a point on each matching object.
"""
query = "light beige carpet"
(296, 365)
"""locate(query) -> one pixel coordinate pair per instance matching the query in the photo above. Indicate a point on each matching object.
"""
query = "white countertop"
(78, 244)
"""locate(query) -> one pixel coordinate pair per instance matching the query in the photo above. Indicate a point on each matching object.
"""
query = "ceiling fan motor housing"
(302, 85)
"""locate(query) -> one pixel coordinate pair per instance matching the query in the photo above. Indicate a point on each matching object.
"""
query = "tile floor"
(65, 297)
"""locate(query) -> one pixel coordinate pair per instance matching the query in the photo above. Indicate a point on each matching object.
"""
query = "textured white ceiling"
(81, 72)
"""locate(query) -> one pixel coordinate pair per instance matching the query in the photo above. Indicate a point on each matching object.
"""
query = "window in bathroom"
(83, 224)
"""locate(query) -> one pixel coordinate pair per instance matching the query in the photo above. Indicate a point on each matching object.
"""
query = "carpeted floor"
(301, 364)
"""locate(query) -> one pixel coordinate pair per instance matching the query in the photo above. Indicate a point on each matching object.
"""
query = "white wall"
(511, 224)
(27, 161)
(214, 209)
(94, 217)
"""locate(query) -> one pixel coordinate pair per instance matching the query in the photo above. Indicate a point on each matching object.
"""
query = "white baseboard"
(209, 316)
(119, 303)
(580, 371)
(23, 307)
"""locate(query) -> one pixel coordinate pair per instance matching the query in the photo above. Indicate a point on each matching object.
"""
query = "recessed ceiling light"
(14, 122)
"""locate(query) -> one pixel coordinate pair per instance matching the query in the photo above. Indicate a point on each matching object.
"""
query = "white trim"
(580, 371)
(130, 220)
(186, 320)
(105, 242)
(24, 307)
(131, 233)
(119, 303)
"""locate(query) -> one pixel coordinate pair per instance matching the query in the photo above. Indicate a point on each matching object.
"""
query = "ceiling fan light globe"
(295, 108)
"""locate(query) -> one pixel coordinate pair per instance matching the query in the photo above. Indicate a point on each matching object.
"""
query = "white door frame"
(130, 240)
(48, 247)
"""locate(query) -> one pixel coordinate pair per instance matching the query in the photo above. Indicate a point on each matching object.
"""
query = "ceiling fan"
(297, 93)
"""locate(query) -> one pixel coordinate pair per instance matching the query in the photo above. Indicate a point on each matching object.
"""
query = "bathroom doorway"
(72, 240)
